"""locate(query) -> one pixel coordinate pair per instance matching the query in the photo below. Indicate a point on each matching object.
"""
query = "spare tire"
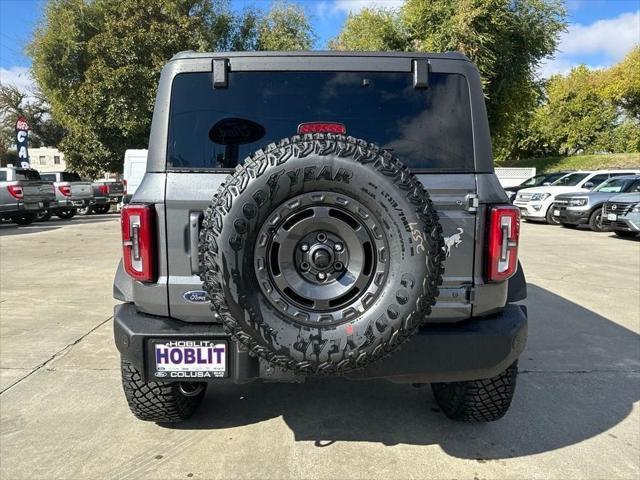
(321, 254)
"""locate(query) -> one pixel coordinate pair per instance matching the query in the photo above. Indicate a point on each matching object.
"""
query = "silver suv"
(574, 209)
(309, 214)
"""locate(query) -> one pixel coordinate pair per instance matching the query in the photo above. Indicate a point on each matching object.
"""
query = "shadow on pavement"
(579, 378)
(7, 229)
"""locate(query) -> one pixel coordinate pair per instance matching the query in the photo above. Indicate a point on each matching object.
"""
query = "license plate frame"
(612, 217)
(208, 358)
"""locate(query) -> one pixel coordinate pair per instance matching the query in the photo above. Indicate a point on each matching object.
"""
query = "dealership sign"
(22, 137)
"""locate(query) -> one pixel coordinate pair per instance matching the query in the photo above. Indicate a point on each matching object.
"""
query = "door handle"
(194, 236)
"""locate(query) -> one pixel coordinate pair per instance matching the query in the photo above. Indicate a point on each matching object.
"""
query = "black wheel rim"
(321, 258)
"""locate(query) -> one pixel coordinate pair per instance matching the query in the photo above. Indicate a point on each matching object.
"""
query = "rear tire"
(66, 214)
(25, 218)
(162, 402)
(85, 210)
(44, 215)
(625, 234)
(595, 221)
(101, 209)
(483, 400)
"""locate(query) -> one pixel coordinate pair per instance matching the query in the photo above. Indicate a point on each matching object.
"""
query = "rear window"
(571, 180)
(70, 177)
(426, 128)
(48, 177)
(27, 175)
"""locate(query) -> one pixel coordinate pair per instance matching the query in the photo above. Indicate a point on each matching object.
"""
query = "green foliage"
(285, 27)
(16, 103)
(506, 39)
(621, 84)
(579, 162)
(98, 63)
(587, 111)
(371, 30)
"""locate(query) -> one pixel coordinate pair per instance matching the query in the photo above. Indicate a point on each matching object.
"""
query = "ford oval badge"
(196, 296)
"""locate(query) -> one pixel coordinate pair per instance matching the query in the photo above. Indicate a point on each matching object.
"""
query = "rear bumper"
(28, 206)
(474, 349)
(75, 202)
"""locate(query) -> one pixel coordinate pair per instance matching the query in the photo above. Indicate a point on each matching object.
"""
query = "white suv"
(534, 203)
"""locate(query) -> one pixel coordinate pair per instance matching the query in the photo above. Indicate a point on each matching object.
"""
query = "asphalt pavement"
(63, 413)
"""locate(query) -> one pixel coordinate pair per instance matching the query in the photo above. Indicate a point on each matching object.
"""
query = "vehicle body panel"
(626, 208)
(37, 194)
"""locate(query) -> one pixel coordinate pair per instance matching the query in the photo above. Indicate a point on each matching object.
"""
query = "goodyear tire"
(483, 400)
(162, 402)
(321, 254)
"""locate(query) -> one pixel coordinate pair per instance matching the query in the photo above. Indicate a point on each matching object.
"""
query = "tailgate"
(37, 192)
(189, 194)
(116, 189)
(81, 190)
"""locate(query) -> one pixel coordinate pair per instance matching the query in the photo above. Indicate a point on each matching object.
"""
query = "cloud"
(19, 77)
(608, 39)
(328, 8)
(614, 37)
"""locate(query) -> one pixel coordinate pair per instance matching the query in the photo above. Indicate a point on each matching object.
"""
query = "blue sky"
(600, 33)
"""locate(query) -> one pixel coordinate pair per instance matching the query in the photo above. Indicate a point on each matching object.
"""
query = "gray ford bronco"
(319, 214)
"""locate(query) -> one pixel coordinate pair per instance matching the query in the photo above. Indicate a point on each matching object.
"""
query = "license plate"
(612, 217)
(556, 213)
(78, 203)
(189, 358)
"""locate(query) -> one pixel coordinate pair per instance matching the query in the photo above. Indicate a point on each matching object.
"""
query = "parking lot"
(63, 413)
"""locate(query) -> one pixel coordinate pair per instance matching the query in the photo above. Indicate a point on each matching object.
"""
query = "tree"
(506, 39)
(621, 84)
(15, 103)
(285, 27)
(98, 63)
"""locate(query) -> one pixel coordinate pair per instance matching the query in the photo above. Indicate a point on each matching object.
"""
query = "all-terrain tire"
(162, 402)
(483, 400)
(335, 172)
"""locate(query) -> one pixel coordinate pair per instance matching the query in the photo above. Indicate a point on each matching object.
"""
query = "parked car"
(321, 253)
(71, 193)
(105, 194)
(535, 203)
(573, 209)
(135, 164)
(542, 179)
(622, 214)
(23, 195)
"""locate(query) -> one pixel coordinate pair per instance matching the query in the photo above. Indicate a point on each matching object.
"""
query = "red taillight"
(65, 190)
(124, 186)
(138, 246)
(504, 231)
(16, 191)
(104, 189)
(322, 127)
